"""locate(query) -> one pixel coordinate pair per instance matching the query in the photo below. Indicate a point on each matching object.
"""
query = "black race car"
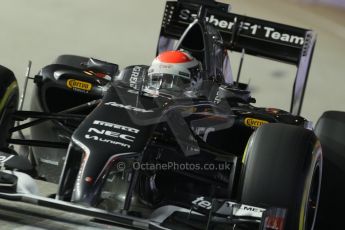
(204, 160)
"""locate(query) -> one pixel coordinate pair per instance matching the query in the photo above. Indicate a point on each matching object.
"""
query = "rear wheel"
(282, 168)
(9, 95)
(331, 130)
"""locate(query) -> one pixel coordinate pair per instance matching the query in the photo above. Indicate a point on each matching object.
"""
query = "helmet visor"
(167, 81)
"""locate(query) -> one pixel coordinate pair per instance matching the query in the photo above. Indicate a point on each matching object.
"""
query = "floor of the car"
(20, 216)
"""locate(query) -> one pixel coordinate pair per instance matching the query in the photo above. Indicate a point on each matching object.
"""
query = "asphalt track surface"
(126, 32)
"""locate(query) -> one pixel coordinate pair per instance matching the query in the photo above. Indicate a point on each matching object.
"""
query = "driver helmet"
(173, 70)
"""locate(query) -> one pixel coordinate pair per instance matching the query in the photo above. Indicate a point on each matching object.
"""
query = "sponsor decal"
(134, 77)
(246, 210)
(79, 85)
(252, 29)
(201, 202)
(165, 66)
(110, 133)
(128, 107)
(203, 131)
(217, 99)
(3, 159)
(275, 35)
(230, 208)
(255, 123)
(146, 94)
(116, 126)
(186, 15)
(107, 136)
(104, 140)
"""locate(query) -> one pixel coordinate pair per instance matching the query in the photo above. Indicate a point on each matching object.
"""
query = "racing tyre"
(331, 131)
(71, 60)
(282, 168)
(9, 95)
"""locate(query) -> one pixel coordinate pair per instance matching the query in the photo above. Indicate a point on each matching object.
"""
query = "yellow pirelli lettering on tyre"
(255, 123)
(81, 85)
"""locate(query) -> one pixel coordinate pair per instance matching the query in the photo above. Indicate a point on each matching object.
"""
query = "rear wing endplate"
(257, 37)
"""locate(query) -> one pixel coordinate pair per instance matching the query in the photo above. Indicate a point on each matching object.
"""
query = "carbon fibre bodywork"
(111, 136)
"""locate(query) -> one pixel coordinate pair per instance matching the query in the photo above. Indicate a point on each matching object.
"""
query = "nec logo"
(110, 133)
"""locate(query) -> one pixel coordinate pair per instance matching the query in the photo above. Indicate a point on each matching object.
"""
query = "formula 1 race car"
(202, 159)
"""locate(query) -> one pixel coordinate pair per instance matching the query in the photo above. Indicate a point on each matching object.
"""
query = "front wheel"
(9, 95)
(282, 168)
(330, 129)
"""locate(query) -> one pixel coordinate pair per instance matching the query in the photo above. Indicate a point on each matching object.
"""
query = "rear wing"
(258, 37)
